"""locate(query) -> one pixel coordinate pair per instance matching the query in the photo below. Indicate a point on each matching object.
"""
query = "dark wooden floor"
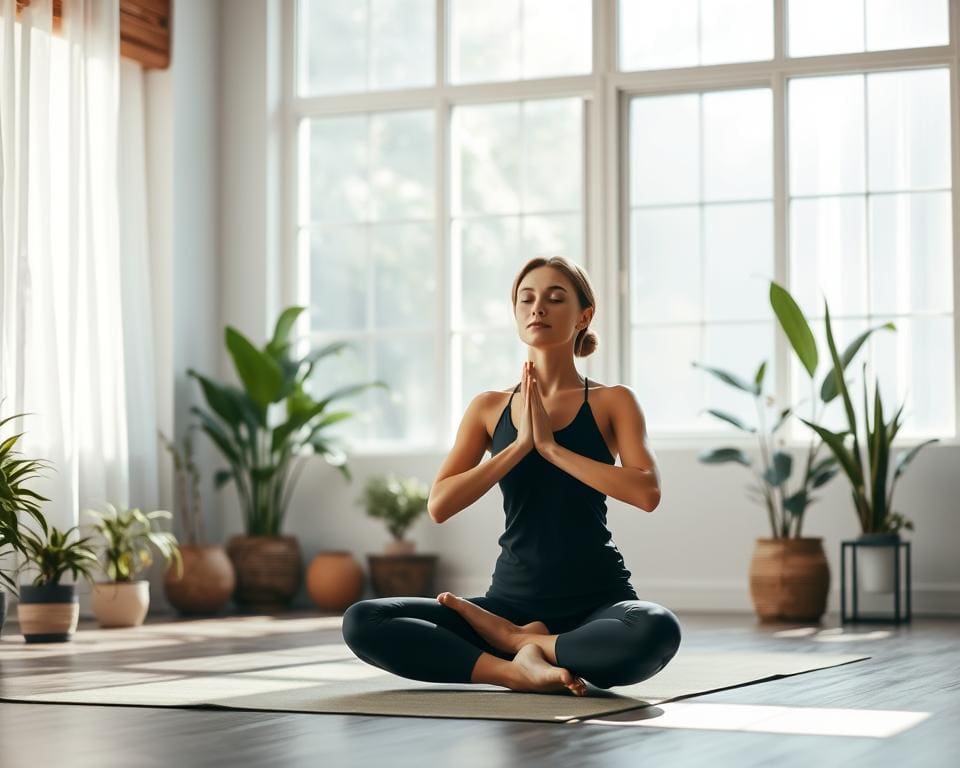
(912, 669)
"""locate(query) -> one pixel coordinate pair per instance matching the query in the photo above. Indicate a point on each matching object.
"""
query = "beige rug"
(170, 665)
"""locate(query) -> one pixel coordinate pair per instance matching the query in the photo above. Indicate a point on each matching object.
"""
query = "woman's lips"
(537, 326)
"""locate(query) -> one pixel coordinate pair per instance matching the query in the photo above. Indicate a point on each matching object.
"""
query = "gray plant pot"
(48, 614)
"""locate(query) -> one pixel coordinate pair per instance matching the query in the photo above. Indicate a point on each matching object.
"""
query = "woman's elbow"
(650, 501)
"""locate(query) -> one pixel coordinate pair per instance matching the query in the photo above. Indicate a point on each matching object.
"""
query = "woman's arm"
(462, 479)
(637, 481)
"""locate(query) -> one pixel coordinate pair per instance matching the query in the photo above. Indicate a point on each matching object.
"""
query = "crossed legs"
(452, 639)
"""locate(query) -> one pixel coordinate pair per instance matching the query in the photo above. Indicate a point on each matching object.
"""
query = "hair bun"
(588, 343)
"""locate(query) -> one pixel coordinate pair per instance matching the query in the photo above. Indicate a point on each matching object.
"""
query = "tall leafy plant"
(261, 448)
(785, 502)
(866, 459)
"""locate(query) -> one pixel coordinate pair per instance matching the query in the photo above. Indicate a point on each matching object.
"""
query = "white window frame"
(606, 93)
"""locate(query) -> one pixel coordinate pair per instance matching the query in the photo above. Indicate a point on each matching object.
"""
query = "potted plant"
(266, 454)
(866, 463)
(48, 611)
(399, 502)
(205, 582)
(129, 538)
(789, 575)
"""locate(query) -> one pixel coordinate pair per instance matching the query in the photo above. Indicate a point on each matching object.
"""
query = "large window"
(684, 152)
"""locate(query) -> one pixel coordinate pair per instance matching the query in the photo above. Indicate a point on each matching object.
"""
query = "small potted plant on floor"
(48, 610)
(266, 455)
(864, 455)
(206, 581)
(128, 539)
(399, 502)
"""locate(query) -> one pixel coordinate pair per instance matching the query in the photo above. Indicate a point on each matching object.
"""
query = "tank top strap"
(584, 389)
(512, 394)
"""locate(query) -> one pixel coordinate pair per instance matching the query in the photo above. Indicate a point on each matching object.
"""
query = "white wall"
(692, 553)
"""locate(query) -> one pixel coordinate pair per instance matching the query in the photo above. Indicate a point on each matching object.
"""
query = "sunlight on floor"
(812, 721)
(835, 635)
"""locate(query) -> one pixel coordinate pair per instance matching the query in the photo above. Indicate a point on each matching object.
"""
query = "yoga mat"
(326, 677)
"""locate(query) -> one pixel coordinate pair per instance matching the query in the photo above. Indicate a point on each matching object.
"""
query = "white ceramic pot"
(875, 564)
(121, 604)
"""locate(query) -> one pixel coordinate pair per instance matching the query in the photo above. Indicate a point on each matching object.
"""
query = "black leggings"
(616, 643)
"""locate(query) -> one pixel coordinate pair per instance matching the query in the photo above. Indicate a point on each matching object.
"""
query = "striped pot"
(48, 614)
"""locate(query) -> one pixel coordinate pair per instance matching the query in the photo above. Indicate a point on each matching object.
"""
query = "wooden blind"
(144, 29)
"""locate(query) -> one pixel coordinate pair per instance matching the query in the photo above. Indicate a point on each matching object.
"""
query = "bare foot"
(535, 673)
(501, 634)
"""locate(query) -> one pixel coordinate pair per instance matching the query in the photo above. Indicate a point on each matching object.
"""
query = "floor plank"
(913, 668)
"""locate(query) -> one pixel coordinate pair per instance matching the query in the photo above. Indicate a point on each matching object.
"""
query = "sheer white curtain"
(75, 329)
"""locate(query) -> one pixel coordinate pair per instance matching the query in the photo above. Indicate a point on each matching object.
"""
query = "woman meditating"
(560, 609)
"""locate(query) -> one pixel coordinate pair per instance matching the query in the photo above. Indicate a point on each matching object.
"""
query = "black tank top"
(556, 549)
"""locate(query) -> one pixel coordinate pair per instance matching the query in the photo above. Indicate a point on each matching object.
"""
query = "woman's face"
(546, 297)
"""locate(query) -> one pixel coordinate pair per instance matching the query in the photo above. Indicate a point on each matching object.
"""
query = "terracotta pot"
(402, 575)
(206, 583)
(268, 570)
(120, 604)
(48, 614)
(789, 579)
(335, 580)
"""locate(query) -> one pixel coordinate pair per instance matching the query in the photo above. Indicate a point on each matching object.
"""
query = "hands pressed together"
(534, 427)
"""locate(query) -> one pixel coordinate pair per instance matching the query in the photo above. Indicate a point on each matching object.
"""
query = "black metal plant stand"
(901, 593)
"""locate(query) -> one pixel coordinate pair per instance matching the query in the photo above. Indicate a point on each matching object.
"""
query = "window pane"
(913, 24)
(739, 348)
(909, 129)
(406, 412)
(347, 46)
(738, 260)
(911, 249)
(402, 43)
(485, 258)
(827, 137)
(665, 149)
(915, 365)
(404, 272)
(343, 369)
(865, 25)
(655, 34)
(552, 235)
(337, 263)
(658, 35)
(737, 145)
(493, 40)
(736, 30)
(401, 165)
(484, 361)
(828, 255)
(809, 34)
(665, 265)
(338, 188)
(485, 173)
(552, 179)
(671, 401)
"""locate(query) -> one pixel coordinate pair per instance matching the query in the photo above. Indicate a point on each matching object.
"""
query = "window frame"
(606, 92)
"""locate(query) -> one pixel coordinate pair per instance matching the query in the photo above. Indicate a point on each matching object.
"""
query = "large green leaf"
(731, 419)
(828, 389)
(724, 455)
(780, 467)
(281, 332)
(221, 401)
(729, 378)
(795, 326)
(261, 375)
(835, 442)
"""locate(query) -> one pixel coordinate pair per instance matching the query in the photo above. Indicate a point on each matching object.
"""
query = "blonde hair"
(587, 340)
